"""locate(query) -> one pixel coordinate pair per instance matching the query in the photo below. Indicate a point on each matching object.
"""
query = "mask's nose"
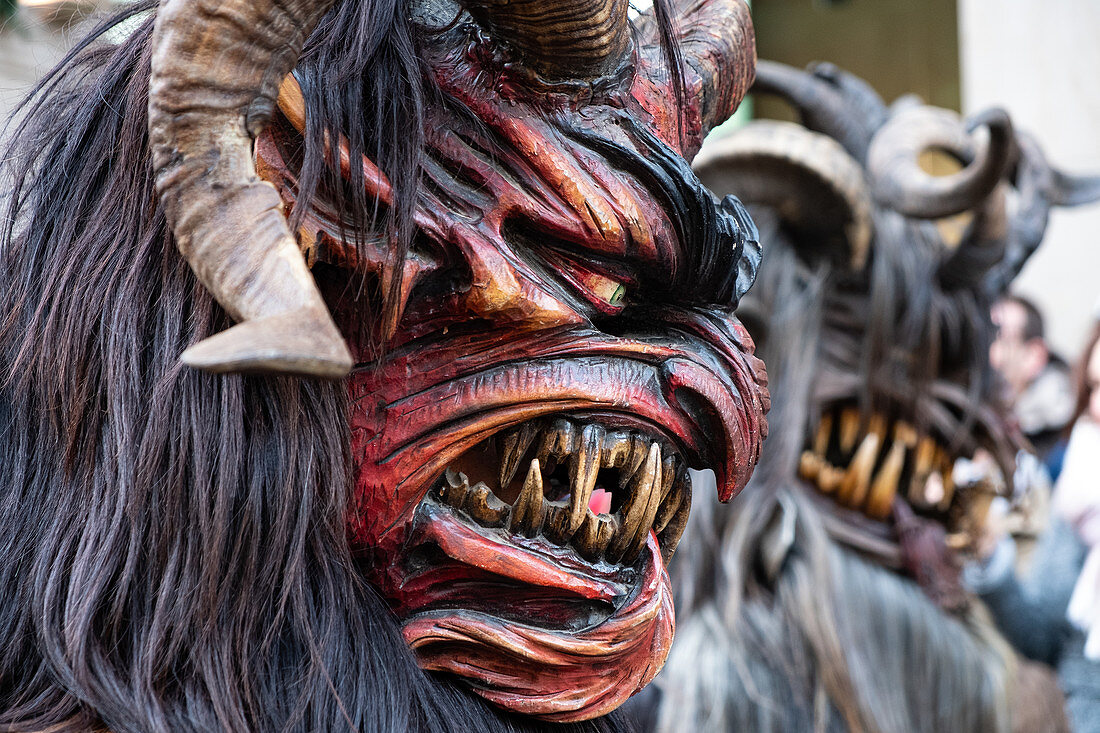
(505, 291)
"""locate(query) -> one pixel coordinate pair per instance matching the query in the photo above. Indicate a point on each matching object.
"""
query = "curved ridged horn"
(900, 183)
(861, 98)
(216, 69)
(562, 39)
(982, 246)
(816, 188)
(828, 100)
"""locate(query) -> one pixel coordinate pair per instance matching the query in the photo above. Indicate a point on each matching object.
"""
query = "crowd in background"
(1051, 612)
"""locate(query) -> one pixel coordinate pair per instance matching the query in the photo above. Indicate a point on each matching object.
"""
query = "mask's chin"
(534, 569)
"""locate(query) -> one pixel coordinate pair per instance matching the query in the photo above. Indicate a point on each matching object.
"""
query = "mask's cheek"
(383, 498)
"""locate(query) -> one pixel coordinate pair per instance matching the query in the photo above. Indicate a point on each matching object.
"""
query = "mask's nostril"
(504, 290)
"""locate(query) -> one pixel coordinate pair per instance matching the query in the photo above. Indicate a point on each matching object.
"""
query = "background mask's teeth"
(849, 429)
(583, 470)
(948, 468)
(829, 478)
(885, 486)
(486, 509)
(513, 448)
(529, 508)
(640, 506)
(824, 430)
(877, 425)
(905, 434)
(926, 454)
(857, 481)
(810, 465)
(922, 469)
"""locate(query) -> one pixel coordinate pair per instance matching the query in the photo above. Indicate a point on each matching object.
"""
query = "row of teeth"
(859, 486)
(653, 482)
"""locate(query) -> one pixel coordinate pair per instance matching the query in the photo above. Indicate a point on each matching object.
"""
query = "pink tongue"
(600, 503)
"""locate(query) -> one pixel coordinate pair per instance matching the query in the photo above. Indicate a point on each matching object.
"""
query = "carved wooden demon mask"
(898, 393)
(562, 347)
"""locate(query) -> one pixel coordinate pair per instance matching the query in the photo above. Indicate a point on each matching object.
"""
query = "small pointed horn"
(861, 98)
(808, 179)
(717, 47)
(1068, 189)
(898, 181)
(717, 41)
(1039, 187)
(562, 39)
(216, 69)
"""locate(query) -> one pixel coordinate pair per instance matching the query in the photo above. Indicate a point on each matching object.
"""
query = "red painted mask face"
(566, 351)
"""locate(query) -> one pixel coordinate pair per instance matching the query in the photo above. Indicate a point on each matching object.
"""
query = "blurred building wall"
(898, 46)
(1041, 61)
(28, 49)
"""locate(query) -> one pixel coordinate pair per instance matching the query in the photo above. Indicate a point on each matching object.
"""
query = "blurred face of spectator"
(1017, 358)
(1092, 376)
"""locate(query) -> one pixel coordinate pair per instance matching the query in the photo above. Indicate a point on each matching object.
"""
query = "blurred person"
(1038, 382)
(1054, 615)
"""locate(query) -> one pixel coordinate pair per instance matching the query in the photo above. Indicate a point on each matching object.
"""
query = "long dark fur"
(829, 642)
(172, 544)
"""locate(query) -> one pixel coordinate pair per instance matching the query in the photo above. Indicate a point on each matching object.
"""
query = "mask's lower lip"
(529, 667)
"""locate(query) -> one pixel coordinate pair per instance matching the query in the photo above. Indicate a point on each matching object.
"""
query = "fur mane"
(173, 550)
(831, 643)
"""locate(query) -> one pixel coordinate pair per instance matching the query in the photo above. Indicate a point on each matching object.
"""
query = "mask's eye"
(606, 293)
(609, 291)
(602, 283)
